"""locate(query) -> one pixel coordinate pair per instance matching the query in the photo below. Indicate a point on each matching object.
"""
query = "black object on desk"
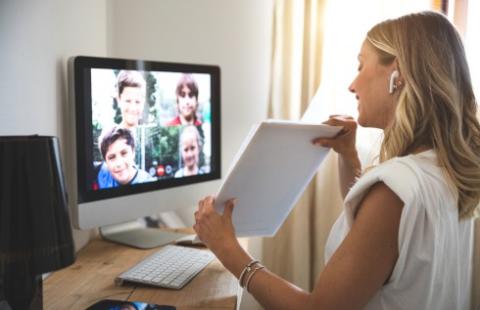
(109, 304)
(35, 231)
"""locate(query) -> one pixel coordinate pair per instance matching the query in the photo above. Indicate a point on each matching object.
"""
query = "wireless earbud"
(391, 86)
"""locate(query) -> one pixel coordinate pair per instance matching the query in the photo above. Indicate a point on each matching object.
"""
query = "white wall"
(36, 39)
(236, 35)
(38, 36)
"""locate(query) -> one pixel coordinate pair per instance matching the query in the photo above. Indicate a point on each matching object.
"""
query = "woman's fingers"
(341, 121)
(325, 142)
(344, 141)
(206, 208)
(228, 211)
(337, 118)
(347, 122)
(211, 201)
(214, 229)
(205, 203)
(341, 116)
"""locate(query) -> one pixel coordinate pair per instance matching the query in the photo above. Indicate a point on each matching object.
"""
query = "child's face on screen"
(132, 101)
(187, 103)
(120, 161)
(190, 150)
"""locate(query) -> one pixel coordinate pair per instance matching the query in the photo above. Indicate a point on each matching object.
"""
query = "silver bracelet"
(246, 270)
(250, 276)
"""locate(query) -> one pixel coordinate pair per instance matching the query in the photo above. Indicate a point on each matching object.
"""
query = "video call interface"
(149, 126)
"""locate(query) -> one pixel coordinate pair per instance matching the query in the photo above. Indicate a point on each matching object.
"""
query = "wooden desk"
(91, 278)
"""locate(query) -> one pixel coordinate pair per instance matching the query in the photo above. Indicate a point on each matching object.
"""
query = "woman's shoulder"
(402, 175)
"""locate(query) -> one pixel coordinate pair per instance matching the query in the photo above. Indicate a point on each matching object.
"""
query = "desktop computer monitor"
(147, 141)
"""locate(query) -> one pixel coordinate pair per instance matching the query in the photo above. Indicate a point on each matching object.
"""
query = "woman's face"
(187, 103)
(120, 161)
(190, 149)
(376, 107)
(132, 101)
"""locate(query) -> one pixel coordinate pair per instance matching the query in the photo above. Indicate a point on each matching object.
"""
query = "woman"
(404, 239)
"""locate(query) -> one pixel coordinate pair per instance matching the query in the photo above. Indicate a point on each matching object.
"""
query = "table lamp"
(35, 231)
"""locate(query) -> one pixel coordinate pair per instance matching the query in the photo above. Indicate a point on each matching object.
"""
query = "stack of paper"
(270, 172)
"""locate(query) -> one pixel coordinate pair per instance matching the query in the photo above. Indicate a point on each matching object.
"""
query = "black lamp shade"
(35, 231)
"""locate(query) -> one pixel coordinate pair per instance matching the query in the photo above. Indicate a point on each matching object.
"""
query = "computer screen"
(145, 131)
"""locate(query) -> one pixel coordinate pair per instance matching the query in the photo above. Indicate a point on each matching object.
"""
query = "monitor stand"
(134, 234)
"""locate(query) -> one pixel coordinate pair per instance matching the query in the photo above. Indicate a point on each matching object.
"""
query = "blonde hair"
(436, 106)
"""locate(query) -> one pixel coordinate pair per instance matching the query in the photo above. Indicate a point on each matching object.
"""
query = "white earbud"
(391, 86)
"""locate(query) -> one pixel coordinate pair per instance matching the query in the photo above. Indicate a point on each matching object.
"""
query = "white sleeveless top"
(434, 266)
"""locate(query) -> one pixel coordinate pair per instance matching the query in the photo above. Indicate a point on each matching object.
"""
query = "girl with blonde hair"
(404, 239)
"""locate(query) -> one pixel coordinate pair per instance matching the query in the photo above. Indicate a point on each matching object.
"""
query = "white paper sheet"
(276, 162)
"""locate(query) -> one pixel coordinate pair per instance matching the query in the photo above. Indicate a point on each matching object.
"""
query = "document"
(271, 170)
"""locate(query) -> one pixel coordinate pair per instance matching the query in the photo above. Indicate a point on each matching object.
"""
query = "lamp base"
(21, 292)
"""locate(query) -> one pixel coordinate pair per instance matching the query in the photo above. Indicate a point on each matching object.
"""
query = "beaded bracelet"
(250, 276)
(245, 271)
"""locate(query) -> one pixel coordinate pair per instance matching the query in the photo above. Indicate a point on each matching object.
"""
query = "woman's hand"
(215, 230)
(344, 142)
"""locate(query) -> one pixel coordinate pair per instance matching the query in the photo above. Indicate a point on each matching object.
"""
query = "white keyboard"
(171, 267)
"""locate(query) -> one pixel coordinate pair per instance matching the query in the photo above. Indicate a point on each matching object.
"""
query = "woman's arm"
(349, 170)
(217, 232)
(271, 291)
(365, 260)
(357, 270)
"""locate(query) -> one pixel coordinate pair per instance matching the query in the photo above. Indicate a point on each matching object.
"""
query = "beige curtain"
(295, 253)
(296, 59)
(304, 33)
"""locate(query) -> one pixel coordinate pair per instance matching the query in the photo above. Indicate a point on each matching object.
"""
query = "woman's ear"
(392, 84)
(396, 79)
